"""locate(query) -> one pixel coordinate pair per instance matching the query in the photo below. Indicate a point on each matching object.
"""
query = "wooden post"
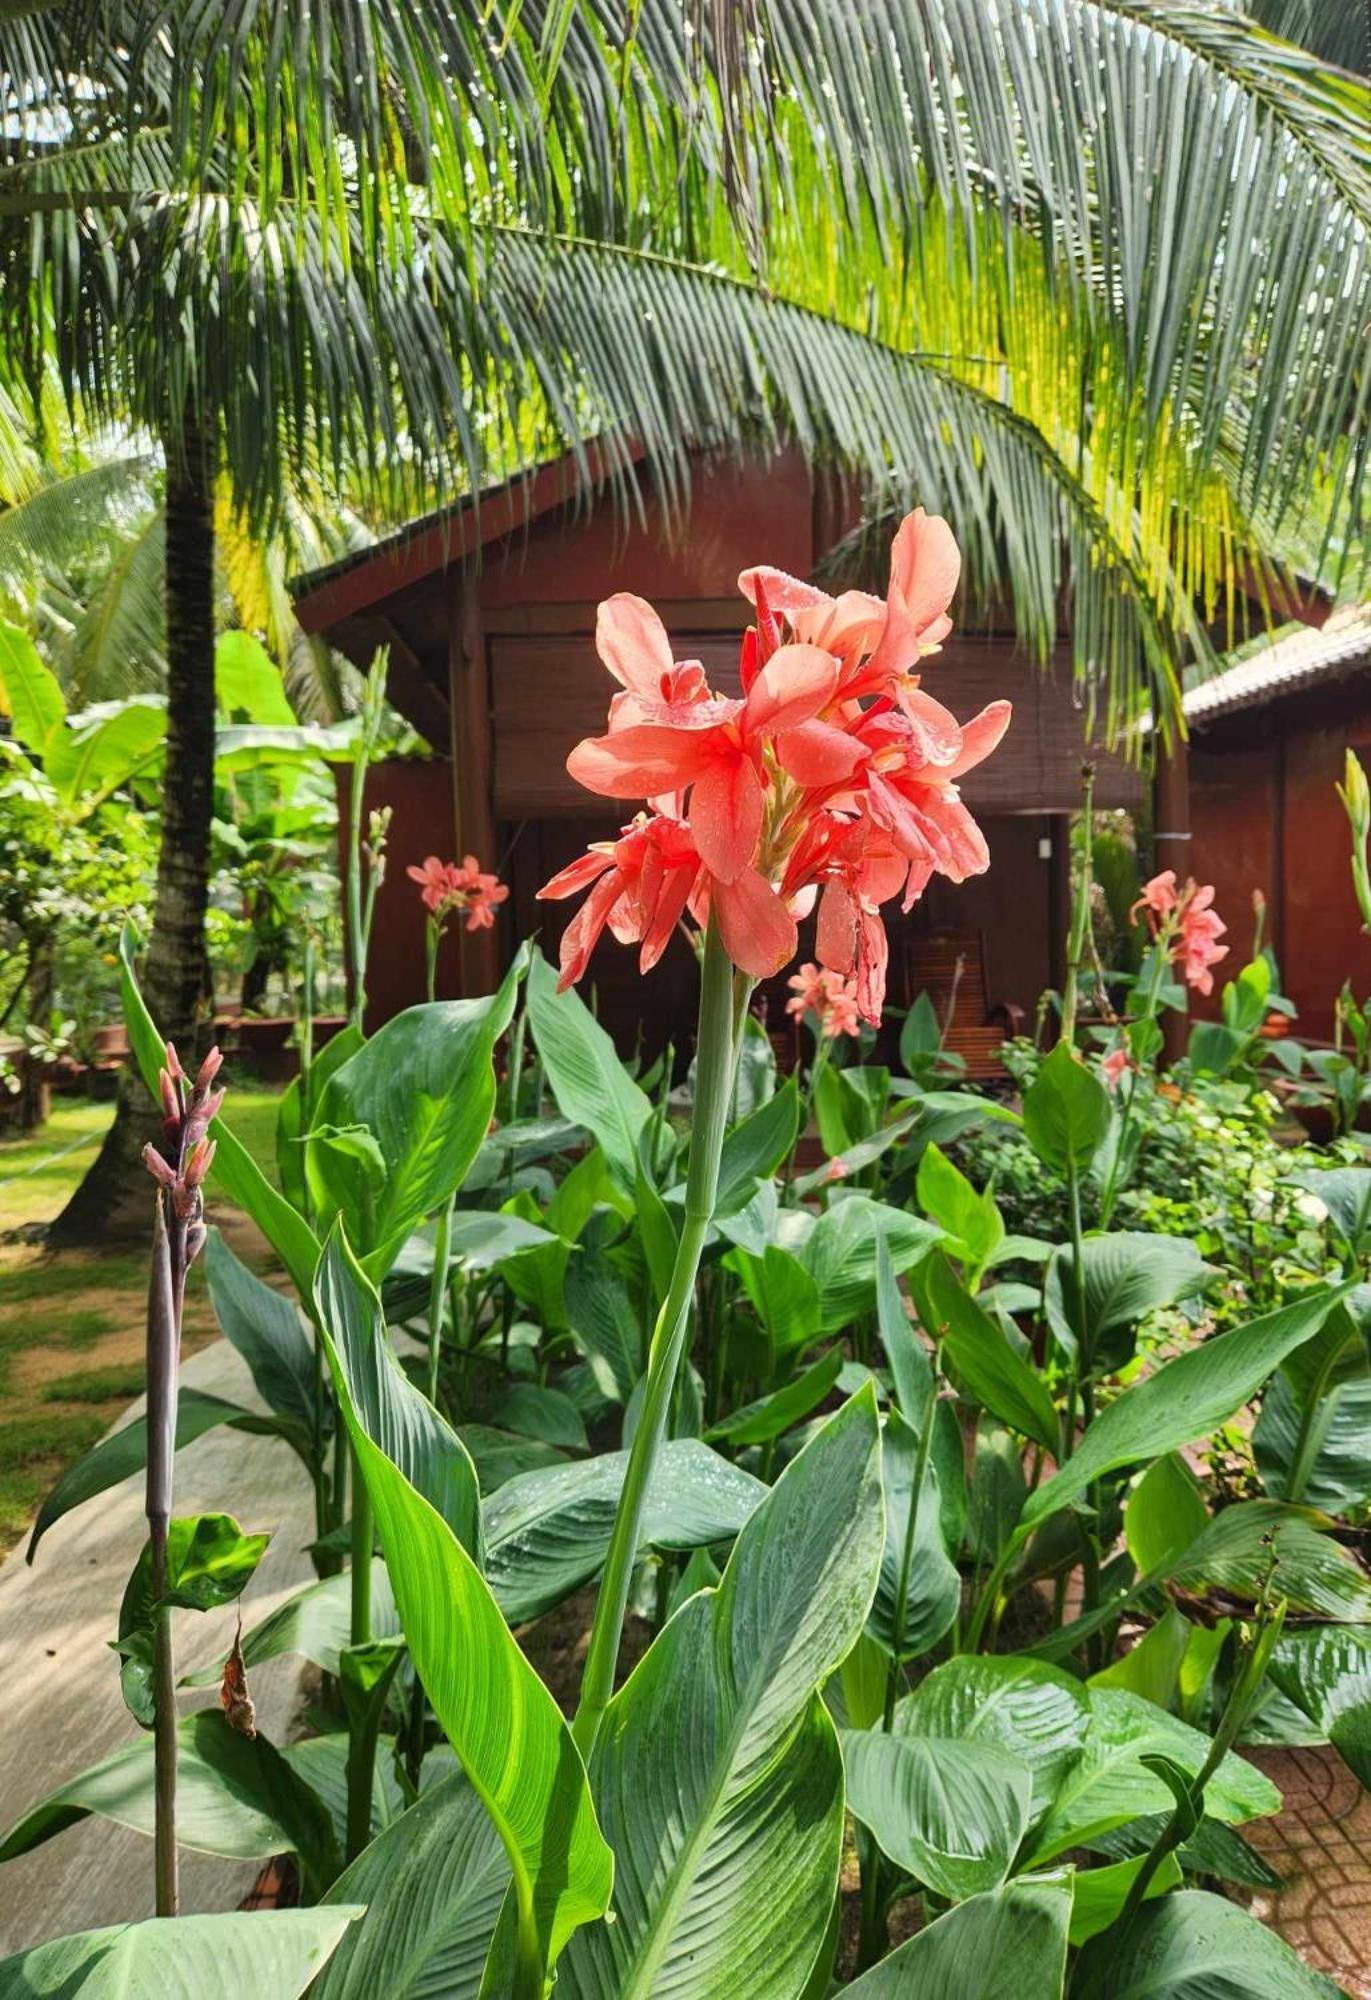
(1171, 849)
(473, 818)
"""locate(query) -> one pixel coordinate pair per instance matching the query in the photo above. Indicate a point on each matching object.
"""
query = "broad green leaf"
(755, 1148)
(101, 751)
(212, 1957)
(1236, 1551)
(1346, 1193)
(920, 1590)
(969, 1218)
(759, 1422)
(948, 1812)
(658, 1234)
(756, 1069)
(975, 1350)
(1193, 1946)
(532, 1411)
(921, 1035)
(398, 1419)
(1164, 1514)
(235, 1796)
(294, 1116)
(1126, 1275)
(247, 682)
(125, 1451)
(904, 1352)
(269, 1333)
(1036, 1715)
(606, 1325)
(590, 1084)
(500, 1456)
(717, 1770)
(29, 692)
(235, 1173)
(1109, 1784)
(998, 1491)
(784, 1295)
(210, 1561)
(1008, 1945)
(424, 1086)
(1066, 1112)
(1099, 1894)
(1327, 1673)
(1152, 1667)
(432, 1884)
(840, 1254)
(504, 1725)
(547, 1531)
(1329, 1457)
(1185, 1400)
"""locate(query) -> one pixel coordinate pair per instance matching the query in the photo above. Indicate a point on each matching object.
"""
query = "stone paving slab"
(59, 1683)
(1320, 1846)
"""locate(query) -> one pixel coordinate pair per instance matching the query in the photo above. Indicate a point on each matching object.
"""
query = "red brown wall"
(1265, 815)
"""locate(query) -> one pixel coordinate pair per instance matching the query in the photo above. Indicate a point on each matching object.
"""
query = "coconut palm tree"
(1091, 275)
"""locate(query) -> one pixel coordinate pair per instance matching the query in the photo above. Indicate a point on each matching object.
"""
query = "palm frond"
(117, 645)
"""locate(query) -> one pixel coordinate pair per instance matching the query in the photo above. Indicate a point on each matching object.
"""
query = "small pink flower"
(436, 883)
(1159, 895)
(444, 886)
(1114, 1065)
(1201, 927)
(836, 1170)
(808, 991)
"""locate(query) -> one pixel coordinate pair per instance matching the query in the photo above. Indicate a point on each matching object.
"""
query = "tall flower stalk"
(179, 1168)
(829, 784)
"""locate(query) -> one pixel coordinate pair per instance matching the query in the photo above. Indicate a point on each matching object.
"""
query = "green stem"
(1151, 999)
(714, 1083)
(437, 1293)
(1085, 1363)
(1080, 912)
(363, 1537)
(356, 931)
(893, 1676)
(165, 1742)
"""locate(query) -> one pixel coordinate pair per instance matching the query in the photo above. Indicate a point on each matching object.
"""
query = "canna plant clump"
(894, 1489)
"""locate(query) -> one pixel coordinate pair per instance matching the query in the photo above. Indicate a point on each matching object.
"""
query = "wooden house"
(488, 611)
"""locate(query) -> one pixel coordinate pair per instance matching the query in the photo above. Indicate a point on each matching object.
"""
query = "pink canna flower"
(1114, 1066)
(831, 781)
(1186, 925)
(814, 990)
(1201, 927)
(445, 887)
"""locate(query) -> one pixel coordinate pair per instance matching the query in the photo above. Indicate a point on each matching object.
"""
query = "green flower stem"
(437, 1294)
(363, 1538)
(1151, 1000)
(893, 1676)
(714, 1064)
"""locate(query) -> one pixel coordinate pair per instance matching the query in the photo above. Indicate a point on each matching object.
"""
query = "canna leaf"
(716, 1769)
(1183, 1401)
(1194, 1946)
(513, 1743)
(1006, 1945)
(950, 1813)
(590, 1084)
(214, 1957)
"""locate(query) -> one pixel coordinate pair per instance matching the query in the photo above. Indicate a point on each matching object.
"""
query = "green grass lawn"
(72, 1321)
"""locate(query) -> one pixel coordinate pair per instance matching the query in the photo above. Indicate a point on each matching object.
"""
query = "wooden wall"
(1265, 815)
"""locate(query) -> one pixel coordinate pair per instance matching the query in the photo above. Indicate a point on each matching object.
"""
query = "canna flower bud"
(161, 1170)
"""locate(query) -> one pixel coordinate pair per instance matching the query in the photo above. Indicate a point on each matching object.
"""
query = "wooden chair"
(949, 966)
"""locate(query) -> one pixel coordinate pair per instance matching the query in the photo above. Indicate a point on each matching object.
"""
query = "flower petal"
(639, 762)
(815, 753)
(584, 870)
(582, 934)
(757, 929)
(785, 595)
(935, 733)
(795, 683)
(979, 737)
(836, 940)
(726, 810)
(925, 564)
(632, 641)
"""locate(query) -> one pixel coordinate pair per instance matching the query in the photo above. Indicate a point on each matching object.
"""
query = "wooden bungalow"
(1268, 738)
(488, 611)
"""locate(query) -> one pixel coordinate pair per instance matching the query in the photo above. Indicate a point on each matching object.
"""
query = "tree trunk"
(113, 1199)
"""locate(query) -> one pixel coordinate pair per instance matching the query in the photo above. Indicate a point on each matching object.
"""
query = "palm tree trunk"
(112, 1199)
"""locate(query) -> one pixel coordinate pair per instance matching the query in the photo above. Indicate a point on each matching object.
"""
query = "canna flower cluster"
(831, 779)
(827, 994)
(188, 1111)
(445, 887)
(1187, 926)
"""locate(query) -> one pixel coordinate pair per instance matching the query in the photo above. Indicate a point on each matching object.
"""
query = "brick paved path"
(1320, 1845)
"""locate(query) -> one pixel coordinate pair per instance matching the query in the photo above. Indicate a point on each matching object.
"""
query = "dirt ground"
(72, 1323)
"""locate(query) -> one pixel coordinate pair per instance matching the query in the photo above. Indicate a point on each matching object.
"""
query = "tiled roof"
(1295, 658)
